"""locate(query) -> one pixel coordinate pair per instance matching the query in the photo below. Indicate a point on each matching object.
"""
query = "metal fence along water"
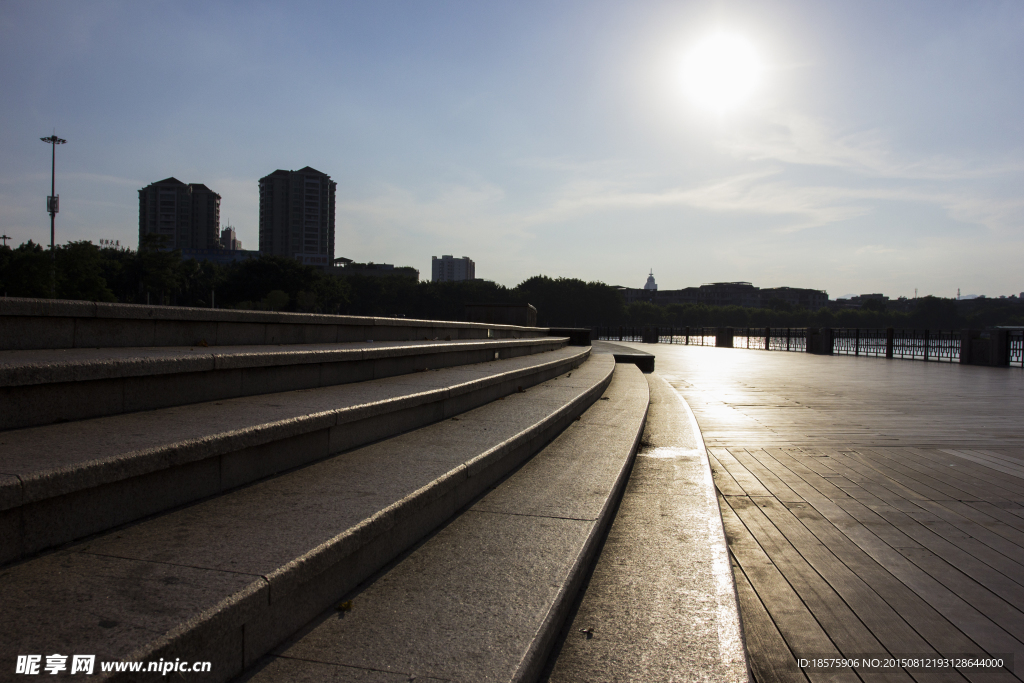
(996, 347)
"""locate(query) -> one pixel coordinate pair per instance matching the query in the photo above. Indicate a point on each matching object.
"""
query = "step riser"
(294, 597)
(46, 324)
(535, 659)
(41, 404)
(35, 526)
(69, 333)
(487, 596)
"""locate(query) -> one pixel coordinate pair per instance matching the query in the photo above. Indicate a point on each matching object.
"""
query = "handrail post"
(856, 343)
(889, 337)
(767, 339)
(926, 344)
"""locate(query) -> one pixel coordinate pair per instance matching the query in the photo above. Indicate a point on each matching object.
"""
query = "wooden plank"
(913, 530)
(999, 611)
(800, 630)
(895, 461)
(805, 482)
(980, 457)
(940, 459)
(849, 634)
(887, 485)
(771, 660)
(724, 481)
(941, 635)
(1000, 537)
(990, 569)
(935, 464)
(750, 484)
(885, 624)
(1013, 516)
(773, 483)
(969, 556)
(972, 622)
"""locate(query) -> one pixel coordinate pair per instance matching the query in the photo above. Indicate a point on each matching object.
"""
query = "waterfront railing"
(996, 346)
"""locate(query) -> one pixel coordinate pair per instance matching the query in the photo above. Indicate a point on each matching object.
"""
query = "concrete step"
(483, 598)
(227, 579)
(65, 481)
(661, 603)
(46, 386)
(57, 324)
(626, 354)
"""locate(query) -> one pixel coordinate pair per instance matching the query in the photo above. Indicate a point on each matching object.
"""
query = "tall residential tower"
(188, 216)
(297, 216)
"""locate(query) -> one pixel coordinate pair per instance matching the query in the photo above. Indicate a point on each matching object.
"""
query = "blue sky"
(882, 151)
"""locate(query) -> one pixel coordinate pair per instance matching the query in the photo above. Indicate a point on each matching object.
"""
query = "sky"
(880, 149)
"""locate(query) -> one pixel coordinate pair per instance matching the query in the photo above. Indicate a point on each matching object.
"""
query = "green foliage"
(80, 273)
(567, 302)
(876, 305)
(25, 271)
(87, 272)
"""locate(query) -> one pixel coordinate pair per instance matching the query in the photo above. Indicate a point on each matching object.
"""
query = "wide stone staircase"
(299, 497)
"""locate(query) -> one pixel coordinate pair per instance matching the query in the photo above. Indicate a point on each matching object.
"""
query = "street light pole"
(52, 205)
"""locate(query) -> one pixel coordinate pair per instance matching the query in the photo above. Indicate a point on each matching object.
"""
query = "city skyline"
(879, 151)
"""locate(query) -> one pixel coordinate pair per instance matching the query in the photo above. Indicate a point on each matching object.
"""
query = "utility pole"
(52, 205)
(4, 238)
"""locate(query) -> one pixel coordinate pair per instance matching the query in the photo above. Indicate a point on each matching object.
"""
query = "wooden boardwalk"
(874, 509)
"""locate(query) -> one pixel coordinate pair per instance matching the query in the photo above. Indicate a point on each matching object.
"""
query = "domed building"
(651, 284)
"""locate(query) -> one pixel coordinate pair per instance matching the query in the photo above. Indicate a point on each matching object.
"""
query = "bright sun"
(721, 72)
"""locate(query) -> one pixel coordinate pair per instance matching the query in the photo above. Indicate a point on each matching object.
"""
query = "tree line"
(158, 276)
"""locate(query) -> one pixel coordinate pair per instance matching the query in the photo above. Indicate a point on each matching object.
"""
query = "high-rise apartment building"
(187, 215)
(451, 269)
(297, 216)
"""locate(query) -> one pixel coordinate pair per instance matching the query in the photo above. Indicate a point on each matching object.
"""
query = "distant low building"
(346, 267)
(687, 295)
(727, 294)
(451, 269)
(218, 256)
(229, 239)
(811, 299)
(731, 294)
(859, 300)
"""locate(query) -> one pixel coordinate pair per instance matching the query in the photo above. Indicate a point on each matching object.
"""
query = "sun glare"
(721, 72)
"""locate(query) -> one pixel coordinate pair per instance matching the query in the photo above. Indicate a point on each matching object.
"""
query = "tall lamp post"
(52, 205)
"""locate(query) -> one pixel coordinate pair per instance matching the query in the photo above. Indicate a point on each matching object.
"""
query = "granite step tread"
(228, 578)
(47, 386)
(65, 481)
(484, 598)
(42, 366)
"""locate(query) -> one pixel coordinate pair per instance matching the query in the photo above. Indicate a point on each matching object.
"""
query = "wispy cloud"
(468, 218)
(105, 179)
(794, 138)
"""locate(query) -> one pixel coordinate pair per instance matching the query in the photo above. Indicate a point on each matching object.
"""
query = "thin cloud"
(793, 138)
(105, 179)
